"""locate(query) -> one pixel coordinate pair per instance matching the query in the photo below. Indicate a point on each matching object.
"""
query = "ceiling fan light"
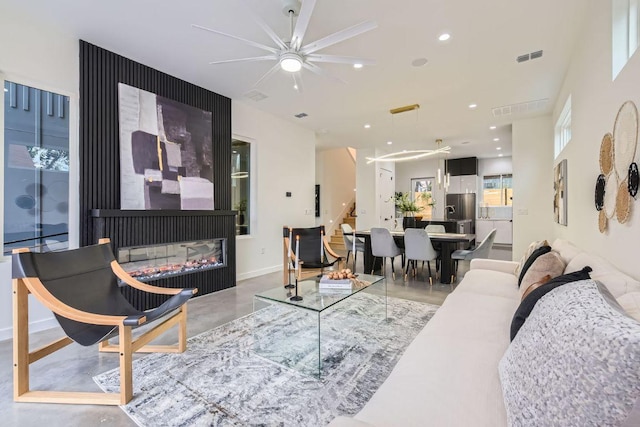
(290, 63)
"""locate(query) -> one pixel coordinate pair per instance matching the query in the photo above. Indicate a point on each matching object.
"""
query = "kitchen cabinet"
(504, 230)
(463, 184)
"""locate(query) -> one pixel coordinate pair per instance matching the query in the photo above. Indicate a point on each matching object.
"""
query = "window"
(563, 128)
(497, 190)
(422, 195)
(36, 168)
(241, 184)
(625, 35)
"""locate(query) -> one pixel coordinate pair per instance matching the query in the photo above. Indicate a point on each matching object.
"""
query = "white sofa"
(448, 376)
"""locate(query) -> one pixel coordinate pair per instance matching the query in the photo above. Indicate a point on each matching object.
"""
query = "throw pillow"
(525, 307)
(535, 286)
(532, 247)
(532, 258)
(549, 263)
(575, 362)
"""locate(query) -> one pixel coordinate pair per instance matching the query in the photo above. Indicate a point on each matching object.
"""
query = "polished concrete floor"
(73, 367)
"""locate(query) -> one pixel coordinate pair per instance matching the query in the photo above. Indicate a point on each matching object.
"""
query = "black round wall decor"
(633, 179)
(600, 184)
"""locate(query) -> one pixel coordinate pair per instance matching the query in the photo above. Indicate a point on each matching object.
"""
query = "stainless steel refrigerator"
(462, 207)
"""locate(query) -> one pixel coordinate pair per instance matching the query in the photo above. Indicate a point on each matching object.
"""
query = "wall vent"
(520, 108)
(537, 54)
(301, 115)
(523, 58)
(533, 55)
(256, 95)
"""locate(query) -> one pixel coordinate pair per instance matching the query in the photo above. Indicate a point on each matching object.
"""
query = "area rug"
(221, 380)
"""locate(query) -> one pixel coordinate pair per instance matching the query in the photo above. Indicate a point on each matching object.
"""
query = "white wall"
(336, 174)
(38, 56)
(595, 102)
(285, 161)
(532, 147)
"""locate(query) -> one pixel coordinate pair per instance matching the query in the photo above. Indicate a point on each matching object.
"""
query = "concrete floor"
(73, 367)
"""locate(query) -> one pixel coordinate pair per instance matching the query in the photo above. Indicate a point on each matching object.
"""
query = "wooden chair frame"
(23, 357)
(289, 262)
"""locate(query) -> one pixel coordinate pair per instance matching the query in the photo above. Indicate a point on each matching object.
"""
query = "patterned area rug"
(221, 380)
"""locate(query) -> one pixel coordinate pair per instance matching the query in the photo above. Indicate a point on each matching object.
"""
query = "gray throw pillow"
(576, 361)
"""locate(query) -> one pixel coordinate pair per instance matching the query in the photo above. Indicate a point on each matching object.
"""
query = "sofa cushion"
(532, 258)
(526, 306)
(566, 249)
(576, 361)
(617, 282)
(532, 247)
(549, 263)
(489, 282)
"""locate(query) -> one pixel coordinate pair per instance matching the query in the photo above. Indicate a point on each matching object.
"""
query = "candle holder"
(289, 285)
(296, 297)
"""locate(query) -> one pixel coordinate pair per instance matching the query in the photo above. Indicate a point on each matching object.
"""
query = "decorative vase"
(408, 222)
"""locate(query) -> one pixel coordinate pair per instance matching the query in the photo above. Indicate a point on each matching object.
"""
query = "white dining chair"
(418, 247)
(383, 246)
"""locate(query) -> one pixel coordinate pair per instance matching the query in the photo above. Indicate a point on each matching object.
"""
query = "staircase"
(336, 240)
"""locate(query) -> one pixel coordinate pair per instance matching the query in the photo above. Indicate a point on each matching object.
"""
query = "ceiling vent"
(520, 108)
(533, 55)
(301, 115)
(256, 95)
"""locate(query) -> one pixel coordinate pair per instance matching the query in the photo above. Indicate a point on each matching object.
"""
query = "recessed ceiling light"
(500, 155)
(464, 142)
(389, 142)
(357, 65)
(492, 127)
(473, 106)
(295, 87)
(498, 148)
(367, 126)
(496, 139)
(444, 37)
(419, 62)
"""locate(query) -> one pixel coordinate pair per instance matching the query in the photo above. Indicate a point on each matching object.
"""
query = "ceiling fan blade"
(268, 74)
(336, 59)
(297, 82)
(304, 16)
(338, 37)
(267, 29)
(319, 71)
(251, 59)
(249, 42)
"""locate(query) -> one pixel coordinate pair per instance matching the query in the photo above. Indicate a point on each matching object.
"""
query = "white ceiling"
(477, 65)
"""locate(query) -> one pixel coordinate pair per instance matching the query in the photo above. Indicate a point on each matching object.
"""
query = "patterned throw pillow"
(532, 247)
(549, 263)
(576, 361)
(532, 258)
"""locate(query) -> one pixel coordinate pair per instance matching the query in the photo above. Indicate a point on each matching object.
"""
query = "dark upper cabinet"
(464, 166)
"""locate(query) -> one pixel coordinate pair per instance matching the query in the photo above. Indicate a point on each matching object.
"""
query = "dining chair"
(435, 228)
(383, 246)
(418, 247)
(481, 251)
(348, 239)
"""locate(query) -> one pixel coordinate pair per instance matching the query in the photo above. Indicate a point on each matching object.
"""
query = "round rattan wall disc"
(623, 203)
(602, 222)
(606, 154)
(625, 137)
(610, 191)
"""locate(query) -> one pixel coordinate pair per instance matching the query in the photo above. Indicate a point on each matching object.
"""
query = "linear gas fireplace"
(160, 261)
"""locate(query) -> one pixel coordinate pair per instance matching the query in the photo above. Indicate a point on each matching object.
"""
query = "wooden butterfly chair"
(309, 250)
(81, 287)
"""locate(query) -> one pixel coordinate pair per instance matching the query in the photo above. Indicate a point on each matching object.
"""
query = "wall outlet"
(363, 211)
(262, 251)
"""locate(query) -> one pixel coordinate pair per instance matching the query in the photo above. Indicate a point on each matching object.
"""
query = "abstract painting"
(166, 159)
(560, 193)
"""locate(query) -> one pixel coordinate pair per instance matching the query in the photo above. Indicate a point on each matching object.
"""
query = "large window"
(563, 128)
(241, 184)
(36, 168)
(625, 35)
(497, 190)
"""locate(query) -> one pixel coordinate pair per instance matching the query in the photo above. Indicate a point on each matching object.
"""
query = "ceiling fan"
(293, 55)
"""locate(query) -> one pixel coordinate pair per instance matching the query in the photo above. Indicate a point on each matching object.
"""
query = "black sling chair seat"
(81, 287)
(313, 247)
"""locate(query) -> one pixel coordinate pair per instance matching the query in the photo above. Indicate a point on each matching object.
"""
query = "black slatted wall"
(100, 73)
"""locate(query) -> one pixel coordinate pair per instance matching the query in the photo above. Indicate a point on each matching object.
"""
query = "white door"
(386, 205)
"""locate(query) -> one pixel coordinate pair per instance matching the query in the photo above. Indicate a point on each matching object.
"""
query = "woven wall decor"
(606, 154)
(625, 137)
(602, 222)
(634, 179)
(610, 195)
(623, 203)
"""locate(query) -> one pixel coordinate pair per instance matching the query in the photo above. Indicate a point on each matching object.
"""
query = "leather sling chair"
(314, 253)
(81, 287)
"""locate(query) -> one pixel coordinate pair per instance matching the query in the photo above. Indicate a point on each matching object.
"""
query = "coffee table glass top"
(316, 299)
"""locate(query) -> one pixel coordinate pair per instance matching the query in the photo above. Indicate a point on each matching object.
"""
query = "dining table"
(449, 242)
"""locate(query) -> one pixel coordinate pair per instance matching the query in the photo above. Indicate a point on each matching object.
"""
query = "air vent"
(533, 55)
(301, 115)
(520, 108)
(256, 95)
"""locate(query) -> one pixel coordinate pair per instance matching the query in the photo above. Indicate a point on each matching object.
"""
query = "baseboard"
(37, 326)
(260, 272)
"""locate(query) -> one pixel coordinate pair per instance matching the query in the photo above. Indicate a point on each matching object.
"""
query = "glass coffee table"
(298, 334)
